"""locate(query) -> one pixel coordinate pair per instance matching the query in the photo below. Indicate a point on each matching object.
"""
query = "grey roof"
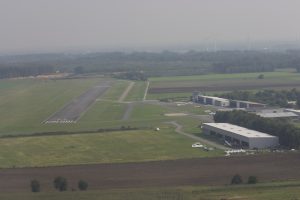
(215, 98)
(277, 114)
(239, 130)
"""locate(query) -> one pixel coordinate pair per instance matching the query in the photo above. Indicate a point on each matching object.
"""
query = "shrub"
(35, 186)
(261, 76)
(252, 180)
(236, 179)
(60, 183)
(82, 185)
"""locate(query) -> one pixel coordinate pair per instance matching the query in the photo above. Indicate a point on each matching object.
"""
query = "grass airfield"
(26, 103)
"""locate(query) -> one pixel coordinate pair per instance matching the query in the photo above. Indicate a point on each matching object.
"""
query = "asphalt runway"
(71, 112)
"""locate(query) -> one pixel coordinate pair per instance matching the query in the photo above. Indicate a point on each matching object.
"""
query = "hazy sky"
(32, 25)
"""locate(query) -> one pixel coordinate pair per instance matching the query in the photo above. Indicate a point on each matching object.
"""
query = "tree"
(60, 183)
(261, 76)
(252, 180)
(298, 102)
(236, 179)
(82, 185)
(79, 70)
(35, 186)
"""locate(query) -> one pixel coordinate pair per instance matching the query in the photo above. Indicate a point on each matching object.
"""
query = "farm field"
(216, 171)
(223, 82)
(262, 191)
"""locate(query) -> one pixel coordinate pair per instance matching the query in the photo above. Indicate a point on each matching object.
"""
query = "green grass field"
(234, 80)
(265, 191)
(216, 77)
(116, 90)
(25, 104)
(137, 92)
(110, 147)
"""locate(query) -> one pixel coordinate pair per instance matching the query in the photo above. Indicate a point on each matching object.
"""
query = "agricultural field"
(263, 191)
(221, 82)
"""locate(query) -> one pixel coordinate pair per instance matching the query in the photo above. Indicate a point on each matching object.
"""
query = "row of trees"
(60, 183)
(270, 97)
(289, 134)
(154, 63)
(133, 75)
(24, 71)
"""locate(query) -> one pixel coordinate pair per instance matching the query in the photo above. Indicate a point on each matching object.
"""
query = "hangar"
(209, 100)
(239, 136)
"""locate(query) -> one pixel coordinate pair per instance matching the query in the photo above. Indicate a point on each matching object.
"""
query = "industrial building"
(245, 104)
(239, 136)
(277, 113)
(209, 100)
(217, 101)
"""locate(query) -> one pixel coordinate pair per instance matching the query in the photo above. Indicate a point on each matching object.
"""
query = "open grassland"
(265, 191)
(165, 96)
(25, 104)
(103, 111)
(111, 147)
(223, 82)
(137, 92)
(114, 93)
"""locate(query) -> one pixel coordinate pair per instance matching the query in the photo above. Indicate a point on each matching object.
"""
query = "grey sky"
(28, 25)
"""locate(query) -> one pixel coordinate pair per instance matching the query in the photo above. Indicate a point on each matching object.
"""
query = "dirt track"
(207, 171)
(73, 110)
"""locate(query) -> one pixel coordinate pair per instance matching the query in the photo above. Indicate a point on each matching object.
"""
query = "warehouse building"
(245, 104)
(239, 136)
(209, 100)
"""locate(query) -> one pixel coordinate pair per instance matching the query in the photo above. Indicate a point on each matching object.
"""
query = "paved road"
(71, 112)
(199, 139)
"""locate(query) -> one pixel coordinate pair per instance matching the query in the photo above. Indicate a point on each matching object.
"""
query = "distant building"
(297, 112)
(209, 100)
(240, 136)
(222, 102)
(245, 104)
(278, 115)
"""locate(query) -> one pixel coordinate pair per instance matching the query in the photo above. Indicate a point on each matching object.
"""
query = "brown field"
(222, 87)
(206, 171)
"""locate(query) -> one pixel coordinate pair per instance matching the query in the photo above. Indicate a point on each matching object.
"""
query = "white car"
(197, 145)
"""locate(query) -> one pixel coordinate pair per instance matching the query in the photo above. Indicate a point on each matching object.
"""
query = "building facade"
(239, 136)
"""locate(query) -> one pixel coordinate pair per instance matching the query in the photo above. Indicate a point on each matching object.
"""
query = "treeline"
(164, 63)
(270, 97)
(25, 70)
(288, 134)
(136, 76)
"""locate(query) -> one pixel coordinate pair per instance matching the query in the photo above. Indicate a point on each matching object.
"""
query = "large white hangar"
(240, 136)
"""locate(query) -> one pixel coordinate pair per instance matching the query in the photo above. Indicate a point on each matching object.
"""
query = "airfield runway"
(71, 112)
